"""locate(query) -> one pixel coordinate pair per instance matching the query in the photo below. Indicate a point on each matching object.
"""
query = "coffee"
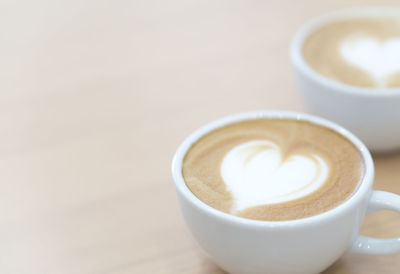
(273, 169)
(363, 51)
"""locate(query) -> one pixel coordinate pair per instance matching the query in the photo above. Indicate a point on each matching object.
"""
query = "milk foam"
(378, 58)
(255, 174)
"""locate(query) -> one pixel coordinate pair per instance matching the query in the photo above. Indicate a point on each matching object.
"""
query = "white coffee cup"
(307, 245)
(373, 114)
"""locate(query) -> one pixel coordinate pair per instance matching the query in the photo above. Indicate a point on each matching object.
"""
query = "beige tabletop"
(95, 96)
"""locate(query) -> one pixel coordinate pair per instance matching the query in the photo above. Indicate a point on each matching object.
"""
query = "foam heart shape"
(256, 175)
(379, 59)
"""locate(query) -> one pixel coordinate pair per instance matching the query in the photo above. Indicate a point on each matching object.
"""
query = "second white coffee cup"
(373, 114)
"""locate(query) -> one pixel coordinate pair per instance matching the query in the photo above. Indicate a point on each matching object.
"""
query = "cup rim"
(363, 189)
(312, 25)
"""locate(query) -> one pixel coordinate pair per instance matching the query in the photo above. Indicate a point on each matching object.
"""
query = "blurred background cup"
(372, 113)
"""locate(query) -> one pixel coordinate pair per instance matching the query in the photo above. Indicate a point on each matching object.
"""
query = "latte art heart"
(238, 169)
(378, 59)
(256, 174)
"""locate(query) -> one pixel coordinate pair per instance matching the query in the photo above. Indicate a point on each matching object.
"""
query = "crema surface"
(361, 52)
(272, 169)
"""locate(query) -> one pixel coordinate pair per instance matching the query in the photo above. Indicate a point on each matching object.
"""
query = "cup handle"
(380, 200)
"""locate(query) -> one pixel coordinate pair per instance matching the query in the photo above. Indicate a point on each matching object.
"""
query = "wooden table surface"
(95, 96)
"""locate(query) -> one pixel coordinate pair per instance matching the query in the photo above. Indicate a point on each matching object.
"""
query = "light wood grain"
(95, 96)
